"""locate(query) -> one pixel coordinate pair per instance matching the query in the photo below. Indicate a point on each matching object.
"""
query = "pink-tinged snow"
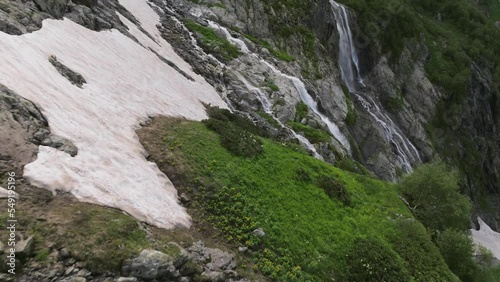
(126, 83)
(149, 20)
(488, 238)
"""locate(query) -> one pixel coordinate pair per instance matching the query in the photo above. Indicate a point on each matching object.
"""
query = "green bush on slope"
(432, 191)
(372, 260)
(423, 259)
(457, 249)
(307, 234)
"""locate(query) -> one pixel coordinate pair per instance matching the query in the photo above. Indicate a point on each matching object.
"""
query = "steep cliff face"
(312, 40)
(395, 119)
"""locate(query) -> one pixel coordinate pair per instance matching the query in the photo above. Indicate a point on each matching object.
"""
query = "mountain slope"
(125, 83)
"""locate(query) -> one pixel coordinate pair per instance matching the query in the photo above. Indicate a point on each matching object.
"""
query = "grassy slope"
(308, 234)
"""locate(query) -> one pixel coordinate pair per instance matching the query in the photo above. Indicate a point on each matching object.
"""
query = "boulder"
(150, 265)
(126, 279)
(24, 248)
(216, 259)
(259, 232)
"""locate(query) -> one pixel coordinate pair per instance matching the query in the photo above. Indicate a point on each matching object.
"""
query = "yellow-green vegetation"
(312, 134)
(210, 41)
(320, 222)
(269, 118)
(271, 85)
(280, 55)
(301, 111)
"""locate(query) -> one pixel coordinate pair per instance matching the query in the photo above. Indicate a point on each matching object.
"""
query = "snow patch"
(488, 238)
(126, 83)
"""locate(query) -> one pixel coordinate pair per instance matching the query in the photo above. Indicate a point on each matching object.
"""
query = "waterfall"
(297, 83)
(313, 105)
(350, 72)
(235, 41)
(266, 104)
(348, 57)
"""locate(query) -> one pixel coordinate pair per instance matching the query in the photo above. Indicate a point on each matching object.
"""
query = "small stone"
(126, 279)
(242, 249)
(78, 279)
(184, 279)
(64, 253)
(230, 274)
(52, 273)
(259, 232)
(70, 261)
(69, 270)
(24, 248)
(185, 198)
(214, 276)
(82, 273)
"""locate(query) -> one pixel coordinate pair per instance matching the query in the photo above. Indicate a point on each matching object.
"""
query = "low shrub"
(413, 243)
(235, 139)
(348, 164)
(314, 135)
(433, 192)
(244, 123)
(457, 249)
(302, 175)
(212, 43)
(301, 111)
(334, 189)
(371, 260)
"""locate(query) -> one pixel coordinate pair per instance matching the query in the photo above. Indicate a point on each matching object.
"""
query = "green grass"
(280, 55)
(268, 118)
(101, 238)
(219, 5)
(272, 86)
(308, 233)
(301, 111)
(210, 41)
(312, 134)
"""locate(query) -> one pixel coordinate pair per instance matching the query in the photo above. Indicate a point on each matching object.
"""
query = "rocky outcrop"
(22, 128)
(56, 8)
(196, 263)
(73, 77)
(19, 17)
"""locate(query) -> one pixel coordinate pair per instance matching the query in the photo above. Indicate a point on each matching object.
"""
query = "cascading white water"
(350, 71)
(297, 83)
(313, 105)
(348, 57)
(235, 41)
(266, 104)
